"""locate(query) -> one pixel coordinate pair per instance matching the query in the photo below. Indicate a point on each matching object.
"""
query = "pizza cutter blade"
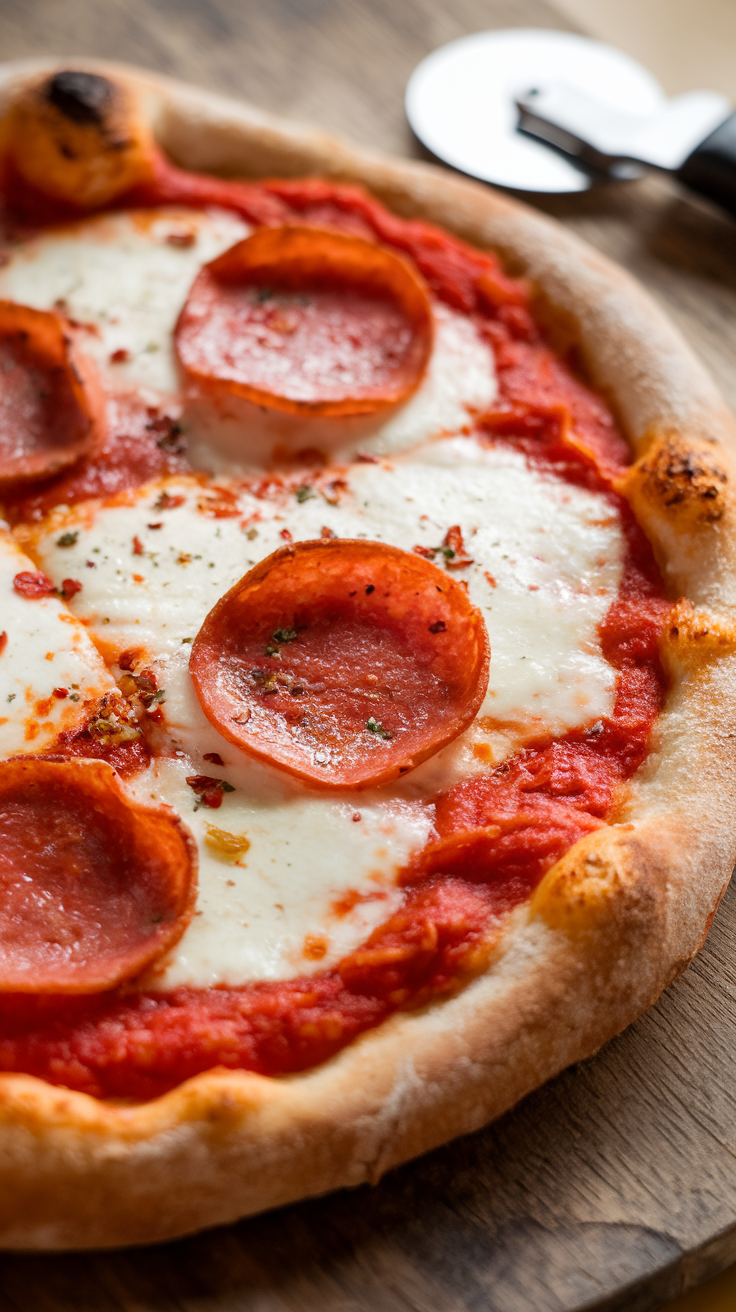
(588, 114)
(461, 102)
(692, 137)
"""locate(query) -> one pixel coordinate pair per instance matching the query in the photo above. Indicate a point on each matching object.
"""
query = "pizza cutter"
(556, 112)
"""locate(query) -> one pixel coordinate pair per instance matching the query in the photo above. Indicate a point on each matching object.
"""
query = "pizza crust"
(610, 926)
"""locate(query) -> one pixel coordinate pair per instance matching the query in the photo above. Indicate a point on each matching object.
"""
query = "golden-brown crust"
(609, 927)
(78, 136)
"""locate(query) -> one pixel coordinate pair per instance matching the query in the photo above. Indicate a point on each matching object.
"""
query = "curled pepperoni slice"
(308, 320)
(94, 886)
(49, 410)
(344, 662)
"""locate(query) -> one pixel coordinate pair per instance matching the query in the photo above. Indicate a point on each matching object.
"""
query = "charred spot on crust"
(79, 137)
(81, 97)
(678, 477)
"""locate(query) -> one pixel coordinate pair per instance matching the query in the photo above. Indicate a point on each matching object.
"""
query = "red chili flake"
(170, 439)
(90, 564)
(127, 659)
(452, 550)
(138, 578)
(167, 502)
(331, 492)
(454, 540)
(209, 790)
(223, 504)
(439, 626)
(138, 548)
(143, 685)
(366, 458)
(199, 782)
(286, 535)
(159, 524)
(120, 356)
(61, 692)
(356, 817)
(150, 675)
(214, 758)
(267, 487)
(326, 532)
(158, 423)
(30, 584)
(70, 587)
(3, 640)
(181, 239)
(490, 580)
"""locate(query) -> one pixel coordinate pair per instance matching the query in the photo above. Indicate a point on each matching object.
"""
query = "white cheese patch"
(127, 277)
(122, 279)
(317, 878)
(45, 648)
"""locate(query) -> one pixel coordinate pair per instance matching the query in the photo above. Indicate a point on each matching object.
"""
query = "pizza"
(367, 658)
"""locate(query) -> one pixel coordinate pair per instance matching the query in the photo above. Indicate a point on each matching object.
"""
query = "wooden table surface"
(615, 1186)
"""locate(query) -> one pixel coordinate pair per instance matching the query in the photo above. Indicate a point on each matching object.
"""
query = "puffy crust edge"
(610, 926)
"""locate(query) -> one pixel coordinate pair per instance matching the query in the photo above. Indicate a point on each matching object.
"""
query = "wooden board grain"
(614, 1186)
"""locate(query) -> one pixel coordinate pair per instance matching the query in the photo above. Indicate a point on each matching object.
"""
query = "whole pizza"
(367, 657)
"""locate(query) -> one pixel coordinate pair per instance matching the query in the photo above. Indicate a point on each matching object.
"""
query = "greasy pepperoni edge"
(439, 938)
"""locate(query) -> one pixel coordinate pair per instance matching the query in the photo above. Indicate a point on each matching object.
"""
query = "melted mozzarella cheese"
(45, 648)
(547, 564)
(125, 278)
(318, 876)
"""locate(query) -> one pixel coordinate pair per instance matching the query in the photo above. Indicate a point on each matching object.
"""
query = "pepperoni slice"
(94, 886)
(308, 320)
(49, 413)
(344, 662)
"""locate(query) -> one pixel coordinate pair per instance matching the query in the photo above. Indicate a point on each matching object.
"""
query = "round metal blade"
(460, 102)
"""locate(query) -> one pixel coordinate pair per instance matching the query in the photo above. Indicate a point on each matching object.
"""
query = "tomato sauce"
(496, 835)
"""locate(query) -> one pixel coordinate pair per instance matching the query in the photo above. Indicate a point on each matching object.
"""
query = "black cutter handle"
(711, 168)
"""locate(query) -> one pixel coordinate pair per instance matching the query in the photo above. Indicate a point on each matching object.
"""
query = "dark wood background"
(615, 1186)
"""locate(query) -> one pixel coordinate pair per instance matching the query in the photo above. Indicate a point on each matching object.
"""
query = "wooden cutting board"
(615, 1186)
